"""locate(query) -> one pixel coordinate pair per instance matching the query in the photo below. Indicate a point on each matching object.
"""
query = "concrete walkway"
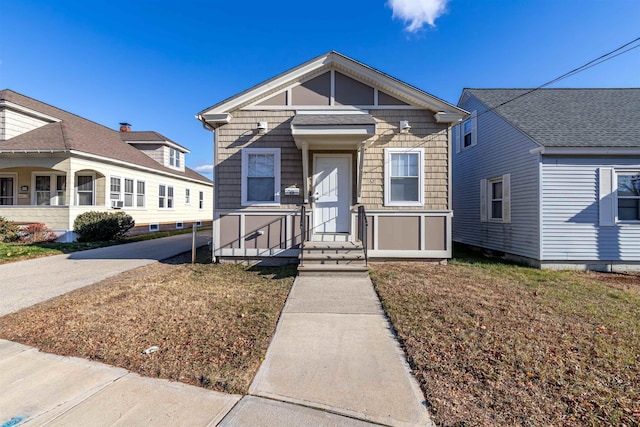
(25, 283)
(334, 349)
(333, 360)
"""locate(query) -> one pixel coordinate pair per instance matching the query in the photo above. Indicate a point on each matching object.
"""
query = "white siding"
(13, 123)
(501, 149)
(570, 216)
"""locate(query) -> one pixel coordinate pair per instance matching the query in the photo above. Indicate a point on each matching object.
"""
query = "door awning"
(319, 131)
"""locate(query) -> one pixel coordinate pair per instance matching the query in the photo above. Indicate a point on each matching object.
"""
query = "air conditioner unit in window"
(117, 204)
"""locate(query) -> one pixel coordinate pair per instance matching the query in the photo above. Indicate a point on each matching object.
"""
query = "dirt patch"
(211, 323)
(494, 344)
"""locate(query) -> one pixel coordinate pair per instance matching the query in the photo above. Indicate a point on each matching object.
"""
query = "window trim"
(486, 199)
(201, 200)
(244, 175)
(459, 132)
(154, 227)
(187, 196)
(388, 152)
(111, 192)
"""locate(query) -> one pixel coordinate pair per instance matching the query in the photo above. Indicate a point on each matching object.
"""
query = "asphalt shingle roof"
(332, 119)
(73, 132)
(581, 118)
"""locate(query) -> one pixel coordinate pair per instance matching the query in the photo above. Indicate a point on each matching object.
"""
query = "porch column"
(305, 171)
(361, 152)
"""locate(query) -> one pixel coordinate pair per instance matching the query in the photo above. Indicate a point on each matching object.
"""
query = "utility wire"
(599, 60)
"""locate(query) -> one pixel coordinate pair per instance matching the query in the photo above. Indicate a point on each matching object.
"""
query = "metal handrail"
(303, 231)
(363, 231)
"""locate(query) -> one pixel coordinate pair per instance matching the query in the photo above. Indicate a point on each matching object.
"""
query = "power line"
(597, 61)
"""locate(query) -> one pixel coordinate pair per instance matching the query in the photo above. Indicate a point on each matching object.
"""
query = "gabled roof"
(572, 118)
(346, 65)
(74, 133)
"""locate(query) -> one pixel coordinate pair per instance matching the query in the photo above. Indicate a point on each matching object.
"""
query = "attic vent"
(125, 127)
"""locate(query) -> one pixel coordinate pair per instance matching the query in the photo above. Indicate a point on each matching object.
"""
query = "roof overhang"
(214, 120)
(587, 151)
(318, 131)
(444, 117)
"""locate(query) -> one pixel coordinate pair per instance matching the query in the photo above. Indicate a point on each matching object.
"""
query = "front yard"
(212, 323)
(491, 343)
(495, 344)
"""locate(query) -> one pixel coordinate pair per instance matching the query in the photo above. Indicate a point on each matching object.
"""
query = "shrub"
(101, 226)
(9, 231)
(36, 232)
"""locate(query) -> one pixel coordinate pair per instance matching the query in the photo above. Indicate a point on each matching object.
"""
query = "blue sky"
(157, 63)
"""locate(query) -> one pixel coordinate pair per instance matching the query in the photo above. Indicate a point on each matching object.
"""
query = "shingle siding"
(13, 123)
(501, 149)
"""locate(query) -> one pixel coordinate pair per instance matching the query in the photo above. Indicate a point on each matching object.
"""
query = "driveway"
(29, 282)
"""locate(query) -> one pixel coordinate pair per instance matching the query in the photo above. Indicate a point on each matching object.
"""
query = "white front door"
(332, 193)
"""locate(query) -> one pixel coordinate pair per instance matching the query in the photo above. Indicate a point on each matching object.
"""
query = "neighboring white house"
(550, 176)
(55, 165)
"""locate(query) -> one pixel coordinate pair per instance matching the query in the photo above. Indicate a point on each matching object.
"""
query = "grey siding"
(501, 149)
(570, 216)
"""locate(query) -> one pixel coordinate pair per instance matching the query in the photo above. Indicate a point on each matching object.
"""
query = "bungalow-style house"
(337, 142)
(55, 165)
(550, 177)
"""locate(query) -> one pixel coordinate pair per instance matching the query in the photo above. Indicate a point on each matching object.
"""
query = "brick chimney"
(125, 127)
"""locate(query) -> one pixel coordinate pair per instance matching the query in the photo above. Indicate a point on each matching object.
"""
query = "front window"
(85, 190)
(260, 176)
(628, 196)
(404, 177)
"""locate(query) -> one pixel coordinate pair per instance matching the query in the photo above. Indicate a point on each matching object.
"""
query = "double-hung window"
(201, 200)
(187, 196)
(84, 189)
(165, 196)
(115, 188)
(140, 194)
(260, 176)
(404, 177)
(465, 134)
(495, 199)
(128, 193)
(628, 196)
(174, 157)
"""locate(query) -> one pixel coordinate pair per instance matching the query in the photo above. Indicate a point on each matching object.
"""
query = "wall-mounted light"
(262, 127)
(404, 126)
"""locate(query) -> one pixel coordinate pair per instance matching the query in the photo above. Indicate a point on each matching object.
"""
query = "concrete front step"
(333, 270)
(333, 259)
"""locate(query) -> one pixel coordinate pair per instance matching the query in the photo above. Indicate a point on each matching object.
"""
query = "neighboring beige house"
(55, 165)
(332, 135)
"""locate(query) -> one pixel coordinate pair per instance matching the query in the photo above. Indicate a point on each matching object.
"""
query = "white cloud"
(204, 169)
(417, 13)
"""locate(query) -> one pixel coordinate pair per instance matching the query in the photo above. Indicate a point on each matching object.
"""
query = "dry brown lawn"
(212, 323)
(495, 344)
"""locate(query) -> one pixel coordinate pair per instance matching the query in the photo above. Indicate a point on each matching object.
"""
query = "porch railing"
(363, 231)
(303, 231)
